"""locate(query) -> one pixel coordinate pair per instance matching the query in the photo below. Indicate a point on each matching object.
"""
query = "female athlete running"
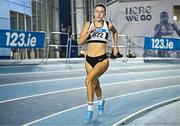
(96, 33)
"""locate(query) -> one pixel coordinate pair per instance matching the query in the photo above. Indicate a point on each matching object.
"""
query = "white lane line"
(110, 98)
(40, 81)
(39, 72)
(73, 89)
(42, 94)
(143, 111)
(82, 77)
(74, 69)
(60, 62)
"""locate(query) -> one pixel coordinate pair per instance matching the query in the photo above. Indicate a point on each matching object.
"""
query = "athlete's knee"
(96, 84)
(88, 81)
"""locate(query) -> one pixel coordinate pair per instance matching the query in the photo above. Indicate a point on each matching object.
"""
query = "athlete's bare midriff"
(96, 49)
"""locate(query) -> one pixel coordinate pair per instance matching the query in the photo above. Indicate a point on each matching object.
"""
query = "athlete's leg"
(91, 83)
(97, 88)
(92, 78)
(95, 83)
(89, 88)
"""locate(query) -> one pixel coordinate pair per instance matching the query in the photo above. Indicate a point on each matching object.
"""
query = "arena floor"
(136, 93)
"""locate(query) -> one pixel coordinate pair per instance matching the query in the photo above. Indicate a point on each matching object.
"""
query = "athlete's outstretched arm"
(115, 37)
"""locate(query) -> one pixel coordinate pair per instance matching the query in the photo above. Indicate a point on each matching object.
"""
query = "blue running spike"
(101, 107)
(88, 116)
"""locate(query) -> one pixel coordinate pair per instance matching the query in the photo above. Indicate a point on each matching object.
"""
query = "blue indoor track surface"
(54, 94)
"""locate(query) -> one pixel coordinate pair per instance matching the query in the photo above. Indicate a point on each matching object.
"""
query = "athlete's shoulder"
(110, 25)
(87, 23)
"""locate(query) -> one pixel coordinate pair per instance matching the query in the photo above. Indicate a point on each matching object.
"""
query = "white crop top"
(100, 35)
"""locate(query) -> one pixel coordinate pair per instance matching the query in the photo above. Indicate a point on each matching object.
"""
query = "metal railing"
(55, 43)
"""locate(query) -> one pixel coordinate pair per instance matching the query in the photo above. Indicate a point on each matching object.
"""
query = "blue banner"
(21, 39)
(152, 43)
